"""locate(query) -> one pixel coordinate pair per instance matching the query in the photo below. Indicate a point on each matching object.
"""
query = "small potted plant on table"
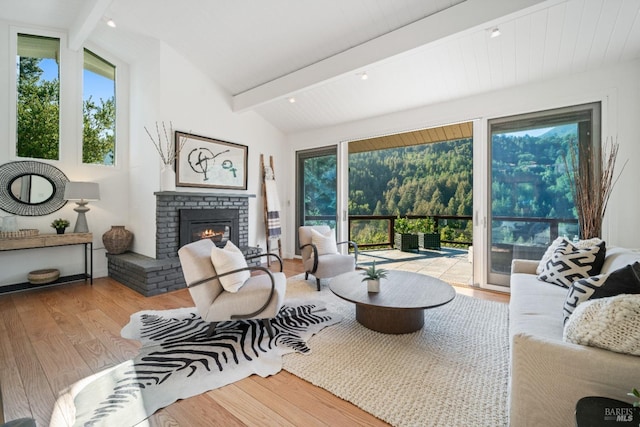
(373, 276)
(60, 225)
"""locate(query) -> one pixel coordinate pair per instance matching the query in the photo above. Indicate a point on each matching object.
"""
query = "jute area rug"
(454, 372)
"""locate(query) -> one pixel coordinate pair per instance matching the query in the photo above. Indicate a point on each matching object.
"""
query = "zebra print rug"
(177, 360)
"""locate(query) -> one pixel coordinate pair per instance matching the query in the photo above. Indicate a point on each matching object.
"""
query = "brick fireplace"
(215, 213)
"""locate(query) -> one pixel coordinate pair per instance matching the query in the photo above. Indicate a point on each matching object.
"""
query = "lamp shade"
(82, 191)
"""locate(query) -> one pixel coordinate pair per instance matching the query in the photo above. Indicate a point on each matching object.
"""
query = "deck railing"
(439, 221)
(556, 226)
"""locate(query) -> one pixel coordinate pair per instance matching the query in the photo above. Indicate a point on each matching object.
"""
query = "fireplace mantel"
(202, 194)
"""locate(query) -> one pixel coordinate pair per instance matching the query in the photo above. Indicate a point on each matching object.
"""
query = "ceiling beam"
(91, 13)
(461, 18)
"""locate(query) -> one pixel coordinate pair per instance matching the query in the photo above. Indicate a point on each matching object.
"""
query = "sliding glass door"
(316, 193)
(531, 202)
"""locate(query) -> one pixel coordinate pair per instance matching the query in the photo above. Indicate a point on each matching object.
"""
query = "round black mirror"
(31, 188)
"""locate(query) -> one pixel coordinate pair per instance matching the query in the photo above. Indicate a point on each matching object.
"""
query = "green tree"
(98, 142)
(38, 117)
(319, 186)
(38, 112)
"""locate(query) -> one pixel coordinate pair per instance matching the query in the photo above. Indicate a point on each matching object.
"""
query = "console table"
(51, 241)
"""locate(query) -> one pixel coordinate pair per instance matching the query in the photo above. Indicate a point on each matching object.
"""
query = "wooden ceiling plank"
(407, 139)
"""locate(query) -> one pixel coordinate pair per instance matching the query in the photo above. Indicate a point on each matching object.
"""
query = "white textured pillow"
(612, 323)
(228, 259)
(581, 244)
(325, 243)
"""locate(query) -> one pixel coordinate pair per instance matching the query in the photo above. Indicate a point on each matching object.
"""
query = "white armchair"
(260, 297)
(324, 262)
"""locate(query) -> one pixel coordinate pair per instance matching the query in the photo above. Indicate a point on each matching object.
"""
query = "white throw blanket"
(273, 205)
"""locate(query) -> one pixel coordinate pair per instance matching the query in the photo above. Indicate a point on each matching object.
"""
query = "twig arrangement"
(166, 148)
(592, 182)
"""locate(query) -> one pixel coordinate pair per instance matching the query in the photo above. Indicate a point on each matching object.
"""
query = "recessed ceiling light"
(495, 33)
(292, 100)
(363, 75)
(110, 22)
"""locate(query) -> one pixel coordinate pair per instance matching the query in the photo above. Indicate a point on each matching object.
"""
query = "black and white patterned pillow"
(568, 264)
(623, 281)
(580, 244)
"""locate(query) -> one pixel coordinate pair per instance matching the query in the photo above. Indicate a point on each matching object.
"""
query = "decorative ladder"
(266, 209)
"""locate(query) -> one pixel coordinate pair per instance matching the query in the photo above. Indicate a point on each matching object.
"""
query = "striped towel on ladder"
(273, 208)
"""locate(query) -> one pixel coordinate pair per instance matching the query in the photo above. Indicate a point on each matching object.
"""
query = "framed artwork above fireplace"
(211, 163)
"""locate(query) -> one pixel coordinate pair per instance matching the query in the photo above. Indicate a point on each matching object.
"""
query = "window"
(531, 201)
(98, 110)
(316, 196)
(38, 97)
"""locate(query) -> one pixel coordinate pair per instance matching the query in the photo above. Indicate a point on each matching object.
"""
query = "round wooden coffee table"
(399, 306)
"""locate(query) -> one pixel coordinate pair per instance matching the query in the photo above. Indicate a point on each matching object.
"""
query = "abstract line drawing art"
(211, 163)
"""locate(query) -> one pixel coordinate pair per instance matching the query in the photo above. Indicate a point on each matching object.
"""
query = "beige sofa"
(549, 375)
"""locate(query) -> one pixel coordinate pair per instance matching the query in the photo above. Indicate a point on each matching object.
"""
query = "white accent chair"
(327, 265)
(260, 297)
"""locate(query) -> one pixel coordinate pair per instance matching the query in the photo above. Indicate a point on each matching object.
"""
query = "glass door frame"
(550, 116)
(301, 157)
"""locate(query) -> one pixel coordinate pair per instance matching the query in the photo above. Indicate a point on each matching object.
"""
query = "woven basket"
(118, 240)
(24, 232)
(41, 277)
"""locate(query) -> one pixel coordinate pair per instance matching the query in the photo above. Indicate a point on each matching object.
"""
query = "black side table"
(603, 412)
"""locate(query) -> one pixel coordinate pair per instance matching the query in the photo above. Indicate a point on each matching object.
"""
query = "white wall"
(112, 208)
(169, 88)
(159, 85)
(617, 87)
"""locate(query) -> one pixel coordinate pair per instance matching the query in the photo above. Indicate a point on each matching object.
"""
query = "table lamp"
(82, 192)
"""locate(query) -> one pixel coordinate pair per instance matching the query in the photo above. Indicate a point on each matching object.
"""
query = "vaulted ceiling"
(414, 52)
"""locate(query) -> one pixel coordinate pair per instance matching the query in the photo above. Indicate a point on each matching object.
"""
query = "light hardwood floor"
(51, 338)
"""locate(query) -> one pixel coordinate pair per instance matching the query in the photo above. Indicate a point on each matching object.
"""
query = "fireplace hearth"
(224, 216)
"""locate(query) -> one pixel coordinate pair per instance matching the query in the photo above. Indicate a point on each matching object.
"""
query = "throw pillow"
(568, 264)
(623, 281)
(581, 244)
(228, 259)
(611, 323)
(325, 243)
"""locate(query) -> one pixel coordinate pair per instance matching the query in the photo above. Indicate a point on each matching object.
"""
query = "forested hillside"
(433, 179)
(529, 174)
(528, 180)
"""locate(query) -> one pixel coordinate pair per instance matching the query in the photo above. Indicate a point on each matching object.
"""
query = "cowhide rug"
(177, 360)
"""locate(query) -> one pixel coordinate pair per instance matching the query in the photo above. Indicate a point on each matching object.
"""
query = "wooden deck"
(448, 264)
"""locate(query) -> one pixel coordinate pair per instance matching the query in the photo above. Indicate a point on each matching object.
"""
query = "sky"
(530, 132)
(95, 84)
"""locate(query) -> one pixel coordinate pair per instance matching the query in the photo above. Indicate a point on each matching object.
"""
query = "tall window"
(531, 202)
(38, 100)
(98, 110)
(316, 196)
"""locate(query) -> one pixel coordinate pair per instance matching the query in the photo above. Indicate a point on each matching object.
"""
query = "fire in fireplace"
(218, 233)
(219, 225)
(215, 235)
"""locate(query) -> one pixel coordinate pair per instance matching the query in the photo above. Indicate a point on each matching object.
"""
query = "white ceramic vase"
(167, 179)
(373, 285)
